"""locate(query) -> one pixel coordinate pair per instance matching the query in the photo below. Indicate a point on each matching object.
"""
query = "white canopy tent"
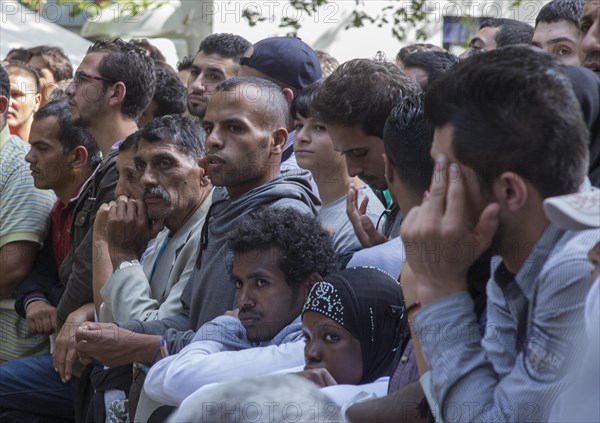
(21, 27)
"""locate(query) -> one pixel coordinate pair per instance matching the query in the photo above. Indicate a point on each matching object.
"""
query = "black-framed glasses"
(82, 74)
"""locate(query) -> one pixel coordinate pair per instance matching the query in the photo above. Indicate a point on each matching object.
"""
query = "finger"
(69, 363)
(363, 205)
(455, 203)
(351, 197)
(328, 380)
(375, 238)
(121, 207)
(433, 208)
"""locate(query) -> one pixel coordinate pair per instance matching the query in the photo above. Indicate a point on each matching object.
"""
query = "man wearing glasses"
(112, 86)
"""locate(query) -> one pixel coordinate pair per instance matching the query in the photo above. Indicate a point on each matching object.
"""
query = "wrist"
(122, 256)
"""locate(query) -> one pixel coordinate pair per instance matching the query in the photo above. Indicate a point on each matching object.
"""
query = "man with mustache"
(216, 61)
(245, 126)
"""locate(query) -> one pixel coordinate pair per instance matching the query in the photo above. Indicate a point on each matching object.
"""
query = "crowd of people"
(266, 235)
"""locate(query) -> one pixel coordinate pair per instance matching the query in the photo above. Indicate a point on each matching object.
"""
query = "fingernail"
(440, 159)
(453, 171)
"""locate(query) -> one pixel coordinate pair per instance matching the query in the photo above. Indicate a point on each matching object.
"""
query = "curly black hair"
(305, 246)
(170, 94)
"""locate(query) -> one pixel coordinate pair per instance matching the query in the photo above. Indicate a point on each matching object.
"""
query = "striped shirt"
(515, 371)
(24, 209)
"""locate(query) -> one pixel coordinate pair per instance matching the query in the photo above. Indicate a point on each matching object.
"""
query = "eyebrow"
(210, 68)
(560, 40)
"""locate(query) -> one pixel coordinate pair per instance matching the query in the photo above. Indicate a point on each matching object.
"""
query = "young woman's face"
(330, 346)
(314, 150)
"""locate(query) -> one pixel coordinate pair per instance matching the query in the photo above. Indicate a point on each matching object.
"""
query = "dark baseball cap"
(286, 59)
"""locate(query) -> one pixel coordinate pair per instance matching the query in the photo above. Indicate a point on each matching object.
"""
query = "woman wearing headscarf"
(352, 323)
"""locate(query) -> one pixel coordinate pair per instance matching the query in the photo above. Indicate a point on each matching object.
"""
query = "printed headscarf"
(367, 303)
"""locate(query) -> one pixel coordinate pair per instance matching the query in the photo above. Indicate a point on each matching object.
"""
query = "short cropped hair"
(186, 134)
(56, 61)
(69, 135)
(129, 64)
(23, 69)
(226, 45)
(305, 246)
(170, 94)
(152, 51)
(511, 31)
(274, 106)
(434, 63)
(185, 63)
(130, 141)
(4, 86)
(513, 109)
(283, 397)
(415, 48)
(558, 10)
(407, 141)
(362, 92)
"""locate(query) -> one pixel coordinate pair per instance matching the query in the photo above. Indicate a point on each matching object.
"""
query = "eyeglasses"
(82, 74)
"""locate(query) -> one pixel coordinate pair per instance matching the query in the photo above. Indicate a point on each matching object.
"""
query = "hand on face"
(127, 229)
(321, 377)
(441, 243)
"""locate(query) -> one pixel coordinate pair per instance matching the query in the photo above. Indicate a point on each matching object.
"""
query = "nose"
(591, 41)
(244, 298)
(70, 89)
(213, 141)
(148, 178)
(353, 167)
(312, 351)
(30, 156)
(302, 135)
(197, 84)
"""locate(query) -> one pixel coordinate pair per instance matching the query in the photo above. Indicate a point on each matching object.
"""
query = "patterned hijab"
(367, 303)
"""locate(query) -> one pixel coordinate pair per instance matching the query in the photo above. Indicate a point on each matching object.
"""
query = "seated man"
(245, 125)
(497, 159)
(62, 157)
(278, 255)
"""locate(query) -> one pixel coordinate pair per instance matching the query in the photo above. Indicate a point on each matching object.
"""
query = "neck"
(108, 131)
(333, 183)
(23, 131)
(518, 239)
(272, 171)
(176, 221)
(69, 190)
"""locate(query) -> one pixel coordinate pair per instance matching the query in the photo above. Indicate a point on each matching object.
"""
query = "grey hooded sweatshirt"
(209, 291)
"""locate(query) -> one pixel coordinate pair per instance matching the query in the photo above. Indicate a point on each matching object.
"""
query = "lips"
(195, 98)
(593, 66)
(248, 319)
(214, 163)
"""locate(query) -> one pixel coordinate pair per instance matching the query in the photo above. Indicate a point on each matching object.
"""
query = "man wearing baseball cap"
(580, 403)
(290, 63)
